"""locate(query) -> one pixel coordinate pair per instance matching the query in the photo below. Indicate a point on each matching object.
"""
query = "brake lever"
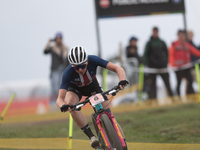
(115, 93)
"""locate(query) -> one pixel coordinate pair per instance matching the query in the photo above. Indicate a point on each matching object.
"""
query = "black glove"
(123, 83)
(64, 108)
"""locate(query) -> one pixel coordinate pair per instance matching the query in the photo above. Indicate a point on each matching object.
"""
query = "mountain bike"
(108, 133)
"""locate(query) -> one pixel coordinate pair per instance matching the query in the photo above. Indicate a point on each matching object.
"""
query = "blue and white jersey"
(71, 76)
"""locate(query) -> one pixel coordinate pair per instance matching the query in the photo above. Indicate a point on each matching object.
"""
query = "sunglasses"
(79, 66)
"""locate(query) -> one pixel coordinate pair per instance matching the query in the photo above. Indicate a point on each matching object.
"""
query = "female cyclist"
(79, 79)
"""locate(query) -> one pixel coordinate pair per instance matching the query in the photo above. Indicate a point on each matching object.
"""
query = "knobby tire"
(111, 134)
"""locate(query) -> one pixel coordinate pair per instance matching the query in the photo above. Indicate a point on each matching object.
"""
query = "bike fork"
(115, 127)
(103, 134)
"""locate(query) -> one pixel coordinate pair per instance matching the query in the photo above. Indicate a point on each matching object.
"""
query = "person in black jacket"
(156, 56)
(190, 36)
(59, 62)
(132, 60)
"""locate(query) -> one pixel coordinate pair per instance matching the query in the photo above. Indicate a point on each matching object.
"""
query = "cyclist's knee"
(70, 102)
(71, 98)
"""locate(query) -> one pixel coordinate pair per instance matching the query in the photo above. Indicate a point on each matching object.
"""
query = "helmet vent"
(77, 55)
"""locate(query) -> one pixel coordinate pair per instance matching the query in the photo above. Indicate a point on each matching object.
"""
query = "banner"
(121, 8)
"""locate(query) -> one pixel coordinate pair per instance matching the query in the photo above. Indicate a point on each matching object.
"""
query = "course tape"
(165, 70)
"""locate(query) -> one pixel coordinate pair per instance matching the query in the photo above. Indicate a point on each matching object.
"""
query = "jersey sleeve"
(47, 50)
(98, 61)
(66, 78)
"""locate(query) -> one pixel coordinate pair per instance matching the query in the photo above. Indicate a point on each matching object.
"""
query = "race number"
(96, 99)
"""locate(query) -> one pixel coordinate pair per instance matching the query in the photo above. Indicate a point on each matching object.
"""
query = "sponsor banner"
(120, 8)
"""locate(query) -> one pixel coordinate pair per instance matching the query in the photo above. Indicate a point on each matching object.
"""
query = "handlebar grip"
(117, 87)
(123, 83)
(64, 108)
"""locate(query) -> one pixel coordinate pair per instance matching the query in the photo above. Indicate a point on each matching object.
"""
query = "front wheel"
(102, 144)
(110, 131)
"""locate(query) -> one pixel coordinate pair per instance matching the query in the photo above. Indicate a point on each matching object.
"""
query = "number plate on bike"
(96, 99)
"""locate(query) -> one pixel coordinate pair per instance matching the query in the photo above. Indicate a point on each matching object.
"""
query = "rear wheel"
(111, 134)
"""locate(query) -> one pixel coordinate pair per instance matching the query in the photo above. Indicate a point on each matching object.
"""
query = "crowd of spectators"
(158, 56)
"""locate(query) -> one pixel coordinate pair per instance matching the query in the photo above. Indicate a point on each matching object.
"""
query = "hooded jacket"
(156, 53)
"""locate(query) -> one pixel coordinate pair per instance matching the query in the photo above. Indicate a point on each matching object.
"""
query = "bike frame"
(101, 128)
(96, 101)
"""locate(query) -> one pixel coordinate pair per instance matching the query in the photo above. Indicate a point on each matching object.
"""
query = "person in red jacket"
(179, 55)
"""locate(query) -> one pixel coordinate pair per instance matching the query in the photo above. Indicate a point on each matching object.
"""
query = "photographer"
(59, 62)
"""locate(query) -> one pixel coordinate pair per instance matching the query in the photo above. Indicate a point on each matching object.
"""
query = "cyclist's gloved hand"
(123, 83)
(64, 108)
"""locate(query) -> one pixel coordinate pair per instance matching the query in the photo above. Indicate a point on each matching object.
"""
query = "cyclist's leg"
(71, 98)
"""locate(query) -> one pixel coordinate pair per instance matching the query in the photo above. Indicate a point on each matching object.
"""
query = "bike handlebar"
(112, 91)
(78, 106)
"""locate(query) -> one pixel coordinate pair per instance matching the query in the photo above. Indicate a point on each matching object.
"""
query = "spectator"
(59, 62)
(190, 35)
(132, 60)
(180, 54)
(131, 49)
(156, 56)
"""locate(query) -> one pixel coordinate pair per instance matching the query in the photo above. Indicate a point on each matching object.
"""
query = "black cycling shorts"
(88, 90)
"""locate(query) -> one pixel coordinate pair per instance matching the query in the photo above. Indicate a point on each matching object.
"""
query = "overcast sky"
(27, 25)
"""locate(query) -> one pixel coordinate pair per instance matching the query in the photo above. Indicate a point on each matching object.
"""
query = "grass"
(177, 124)
(172, 124)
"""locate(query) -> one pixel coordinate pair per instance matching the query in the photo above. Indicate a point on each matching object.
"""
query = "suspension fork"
(102, 132)
(115, 125)
(97, 108)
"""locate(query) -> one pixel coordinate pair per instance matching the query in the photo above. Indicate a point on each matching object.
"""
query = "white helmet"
(77, 55)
